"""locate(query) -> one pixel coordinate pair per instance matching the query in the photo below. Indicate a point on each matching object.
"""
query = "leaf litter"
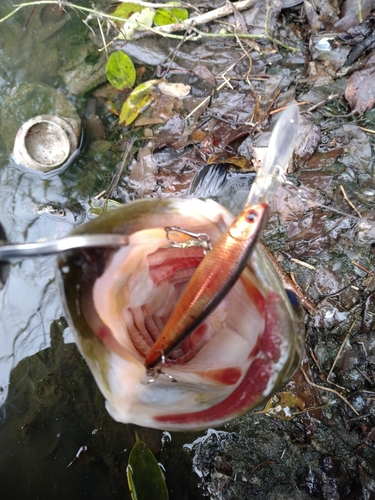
(317, 219)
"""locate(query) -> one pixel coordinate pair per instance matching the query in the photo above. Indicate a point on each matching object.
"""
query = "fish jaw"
(224, 369)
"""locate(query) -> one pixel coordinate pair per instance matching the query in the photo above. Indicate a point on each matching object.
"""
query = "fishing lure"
(211, 281)
(223, 265)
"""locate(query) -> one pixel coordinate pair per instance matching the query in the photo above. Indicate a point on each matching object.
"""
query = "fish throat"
(170, 269)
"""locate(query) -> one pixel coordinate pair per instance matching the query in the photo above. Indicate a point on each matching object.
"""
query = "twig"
(304, 264)
(369, 130)
(279, 110)
(349, 202)
(328, 389)
(254, 470)
(250, 61)
(362, 268)
(28, 18)
(119, 172)
(322, 103)
(288, 284)
(207, 17)
(171, 56)
(364, 375)
(105, 46)
(11, 13)
(315, 360)
(338, 355)
(225, 82)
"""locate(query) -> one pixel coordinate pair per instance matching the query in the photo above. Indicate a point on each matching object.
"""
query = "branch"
(228, 9)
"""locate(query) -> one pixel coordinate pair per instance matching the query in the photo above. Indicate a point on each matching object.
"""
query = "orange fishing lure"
(211, 281)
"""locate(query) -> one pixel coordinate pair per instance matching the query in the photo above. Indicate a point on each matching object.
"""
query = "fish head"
(118, 300)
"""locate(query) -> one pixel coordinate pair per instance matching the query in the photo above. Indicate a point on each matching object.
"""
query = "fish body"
(211, 281)
(118, 301)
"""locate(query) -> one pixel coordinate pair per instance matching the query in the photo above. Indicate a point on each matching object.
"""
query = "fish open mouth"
(170, 270)
(119, 301)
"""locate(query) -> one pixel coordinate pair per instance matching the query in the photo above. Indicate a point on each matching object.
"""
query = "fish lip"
(123, 389)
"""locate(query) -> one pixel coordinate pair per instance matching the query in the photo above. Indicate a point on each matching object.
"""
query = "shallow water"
(51, 408)
(56, 438)
(29, 300)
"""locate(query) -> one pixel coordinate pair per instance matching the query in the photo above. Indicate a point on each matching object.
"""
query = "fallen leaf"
(145, 478)
(174, 89)
(230, 160)
(139, 21)
(360, 91)
(349, 15)
(136, 102)
(120, 70)
(170, 16)
(204, 74)
(307, 139)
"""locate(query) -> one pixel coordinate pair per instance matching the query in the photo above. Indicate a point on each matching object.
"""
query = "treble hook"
(153, 373)
(202, 238)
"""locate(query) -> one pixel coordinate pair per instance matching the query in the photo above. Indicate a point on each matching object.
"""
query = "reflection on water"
(35, 44)
(29, 300)
(230, 189)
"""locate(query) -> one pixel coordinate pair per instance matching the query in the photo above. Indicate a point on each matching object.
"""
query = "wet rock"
(28, 100)
(85, 71)
(327, 282)
(331, 313)
(307, 139)
(366, 230)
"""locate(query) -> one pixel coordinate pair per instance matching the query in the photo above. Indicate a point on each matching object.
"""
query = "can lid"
(46, 142)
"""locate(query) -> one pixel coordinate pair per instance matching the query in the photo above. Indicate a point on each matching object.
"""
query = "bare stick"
(328, 390)
(341, 349)
(349, 202)
(288, 283)
(362, 268)
(207, 17)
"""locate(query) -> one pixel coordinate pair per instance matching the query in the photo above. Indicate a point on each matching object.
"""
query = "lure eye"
(251, 216)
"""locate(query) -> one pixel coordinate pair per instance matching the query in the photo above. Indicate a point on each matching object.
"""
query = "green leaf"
(120, 70)
(136, 102)
(125, 10)
(102, 205)
(170, 16)
(145, 479)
